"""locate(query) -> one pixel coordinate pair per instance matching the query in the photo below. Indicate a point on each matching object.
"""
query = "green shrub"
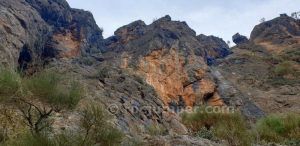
(28, 139)
(44, 85)
(233, 129)
(279, 128)
(205, 133)
(48, 86)
(87, 61)
(284, 68)
(70, 139)
(136, 140)
(99, 130)
(195, 121)
(154, 130)
(279, 81)
(10, 82)
(103, 73)
(69, 96)
(226, 126)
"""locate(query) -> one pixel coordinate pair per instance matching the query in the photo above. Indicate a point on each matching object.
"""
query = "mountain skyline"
(218, 18)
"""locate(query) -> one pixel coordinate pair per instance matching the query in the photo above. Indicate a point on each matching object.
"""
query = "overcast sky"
(221, 18)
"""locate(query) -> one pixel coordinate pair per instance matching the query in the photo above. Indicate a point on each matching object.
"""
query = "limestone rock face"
(247, 76)
(33, 31)
(276, 30)
(22, 29)
(68, 22)
(171, 58)
(277, 35)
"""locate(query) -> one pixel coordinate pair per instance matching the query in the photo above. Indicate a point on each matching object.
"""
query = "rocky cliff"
(171, 58)
(145, 74)
(152, 68)
(277, 34)
(266, 68)
(32, 31)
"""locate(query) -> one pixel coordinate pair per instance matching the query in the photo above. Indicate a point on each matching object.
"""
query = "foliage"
(98, 129)
(69, 96)
(48, 86)
(155, 130)
(43, 85)
(70, 139)
(28, 139)
(276, 128)
(102, 74)
(233, 129)
(87, 61)
(205, 133)
(134, 141)
(36, 117)
(10, 83)
(284, 68)
(227, 126)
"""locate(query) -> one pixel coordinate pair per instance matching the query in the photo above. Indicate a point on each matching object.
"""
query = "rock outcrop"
(253, 66)
(239, 39)
(151, 72)
(171, 58)
(23, 33)
(277, 30)
(34, 30)
(214, 48)
(277, 34)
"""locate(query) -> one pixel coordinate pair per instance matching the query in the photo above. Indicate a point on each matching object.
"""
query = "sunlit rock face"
(177, 82)
(172, 59)
(277, 35)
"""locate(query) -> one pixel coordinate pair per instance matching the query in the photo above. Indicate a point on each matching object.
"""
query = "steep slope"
(267, 69)
(141, 75)
(32, 31)
(171, 58)
(278, 34)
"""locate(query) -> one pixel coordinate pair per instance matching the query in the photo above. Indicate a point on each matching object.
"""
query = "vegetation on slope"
(233, 128)
(29, 103)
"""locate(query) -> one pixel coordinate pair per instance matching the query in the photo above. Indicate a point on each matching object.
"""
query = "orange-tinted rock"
(215, 100)
(168, 74)
(67, 45)
(206, 87)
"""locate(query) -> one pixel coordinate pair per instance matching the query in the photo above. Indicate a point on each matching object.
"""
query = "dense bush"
(10, 82)
(226, 126)
(205, 133)
(43, 85)
(98, 129)
(282, 129)
(285, 73)
(155, 130)
(279, 128)
(284, 68)
(40, 95)
(49, 86)
(28, 139)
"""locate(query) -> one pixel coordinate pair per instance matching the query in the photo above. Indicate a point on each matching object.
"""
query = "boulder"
(214, 48)
(239, 39)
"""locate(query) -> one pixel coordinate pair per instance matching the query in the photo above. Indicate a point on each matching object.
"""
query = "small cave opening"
(207, 96)
(25, 57)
